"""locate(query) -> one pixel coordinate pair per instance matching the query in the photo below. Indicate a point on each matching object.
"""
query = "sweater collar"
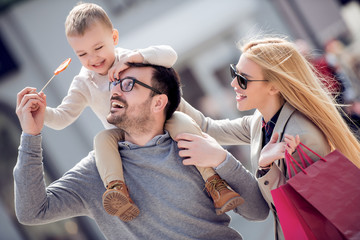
(157, 140)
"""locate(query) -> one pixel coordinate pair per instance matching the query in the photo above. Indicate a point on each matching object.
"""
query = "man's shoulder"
(85, 170)
(88, 162)
(86, 166)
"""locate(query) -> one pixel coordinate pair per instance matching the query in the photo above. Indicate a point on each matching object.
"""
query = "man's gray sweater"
(169, 195)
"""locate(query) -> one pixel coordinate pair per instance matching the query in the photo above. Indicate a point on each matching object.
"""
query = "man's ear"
(159, 102)
(115, 35)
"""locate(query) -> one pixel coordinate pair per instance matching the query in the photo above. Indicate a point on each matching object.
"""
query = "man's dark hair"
(167, 81)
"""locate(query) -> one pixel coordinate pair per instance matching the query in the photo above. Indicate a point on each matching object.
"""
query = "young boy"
(91, 34)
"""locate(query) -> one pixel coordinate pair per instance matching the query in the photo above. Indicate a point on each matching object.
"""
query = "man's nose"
(116, 90)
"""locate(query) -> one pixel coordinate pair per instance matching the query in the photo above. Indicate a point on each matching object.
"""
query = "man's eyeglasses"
(127, 84)
(242, 81)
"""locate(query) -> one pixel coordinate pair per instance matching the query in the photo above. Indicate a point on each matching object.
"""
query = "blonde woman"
(276, 80)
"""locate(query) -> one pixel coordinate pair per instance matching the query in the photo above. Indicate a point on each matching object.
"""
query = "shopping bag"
(332, 186)
(299, 219)
(293, 225)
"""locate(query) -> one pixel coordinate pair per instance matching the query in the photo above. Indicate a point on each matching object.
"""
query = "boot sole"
(117, 204)
(230, 205)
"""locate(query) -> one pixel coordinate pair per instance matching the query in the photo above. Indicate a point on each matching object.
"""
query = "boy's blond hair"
(83, 16)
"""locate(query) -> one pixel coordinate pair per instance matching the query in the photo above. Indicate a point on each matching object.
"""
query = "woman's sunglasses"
(242, 81)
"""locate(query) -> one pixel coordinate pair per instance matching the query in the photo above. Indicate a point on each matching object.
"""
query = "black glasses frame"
(242, 81)
(134, 80)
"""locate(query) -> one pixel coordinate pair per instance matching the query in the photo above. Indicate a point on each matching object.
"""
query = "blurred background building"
(203, 32)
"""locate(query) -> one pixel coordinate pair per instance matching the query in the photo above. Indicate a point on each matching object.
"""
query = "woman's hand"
(276, 150)
(201, 151)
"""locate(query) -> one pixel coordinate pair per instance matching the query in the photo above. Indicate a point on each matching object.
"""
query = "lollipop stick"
(61, 68)
(47, 83)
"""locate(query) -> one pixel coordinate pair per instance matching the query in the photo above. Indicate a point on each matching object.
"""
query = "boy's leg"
(107, 156)
(116, 199)
(225, 199)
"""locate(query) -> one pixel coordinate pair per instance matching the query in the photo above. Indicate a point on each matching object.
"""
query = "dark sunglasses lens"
(242, 81)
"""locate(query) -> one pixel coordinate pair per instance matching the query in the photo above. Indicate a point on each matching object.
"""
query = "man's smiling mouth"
(117, 105)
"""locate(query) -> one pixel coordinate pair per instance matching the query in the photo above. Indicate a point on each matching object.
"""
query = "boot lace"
(216, 185)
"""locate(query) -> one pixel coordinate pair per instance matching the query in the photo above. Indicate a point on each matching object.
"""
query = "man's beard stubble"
(131, 123)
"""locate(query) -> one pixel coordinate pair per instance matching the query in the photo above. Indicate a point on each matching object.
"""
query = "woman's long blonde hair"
(300, 86)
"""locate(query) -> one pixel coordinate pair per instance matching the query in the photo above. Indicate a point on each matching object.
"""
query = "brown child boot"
(225, 199)
(117, 202)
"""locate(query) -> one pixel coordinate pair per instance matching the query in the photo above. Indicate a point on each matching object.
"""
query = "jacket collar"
(284, 117)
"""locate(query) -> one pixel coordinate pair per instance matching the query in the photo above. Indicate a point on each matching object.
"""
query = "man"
(170, 195)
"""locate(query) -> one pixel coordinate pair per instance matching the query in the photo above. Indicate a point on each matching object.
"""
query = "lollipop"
(61, 68)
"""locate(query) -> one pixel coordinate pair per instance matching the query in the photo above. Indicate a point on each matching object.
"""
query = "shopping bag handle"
(290, 159)
(306, 156)
(290, 164)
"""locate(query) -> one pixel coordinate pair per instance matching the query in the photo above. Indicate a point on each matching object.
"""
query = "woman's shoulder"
(294, 122)
(310, 134)
(300, 123)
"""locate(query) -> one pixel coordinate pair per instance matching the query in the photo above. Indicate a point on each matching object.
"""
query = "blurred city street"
(204, 33)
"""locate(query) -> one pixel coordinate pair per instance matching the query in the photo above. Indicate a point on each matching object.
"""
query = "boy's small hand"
(34, 107)
(134, 57)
